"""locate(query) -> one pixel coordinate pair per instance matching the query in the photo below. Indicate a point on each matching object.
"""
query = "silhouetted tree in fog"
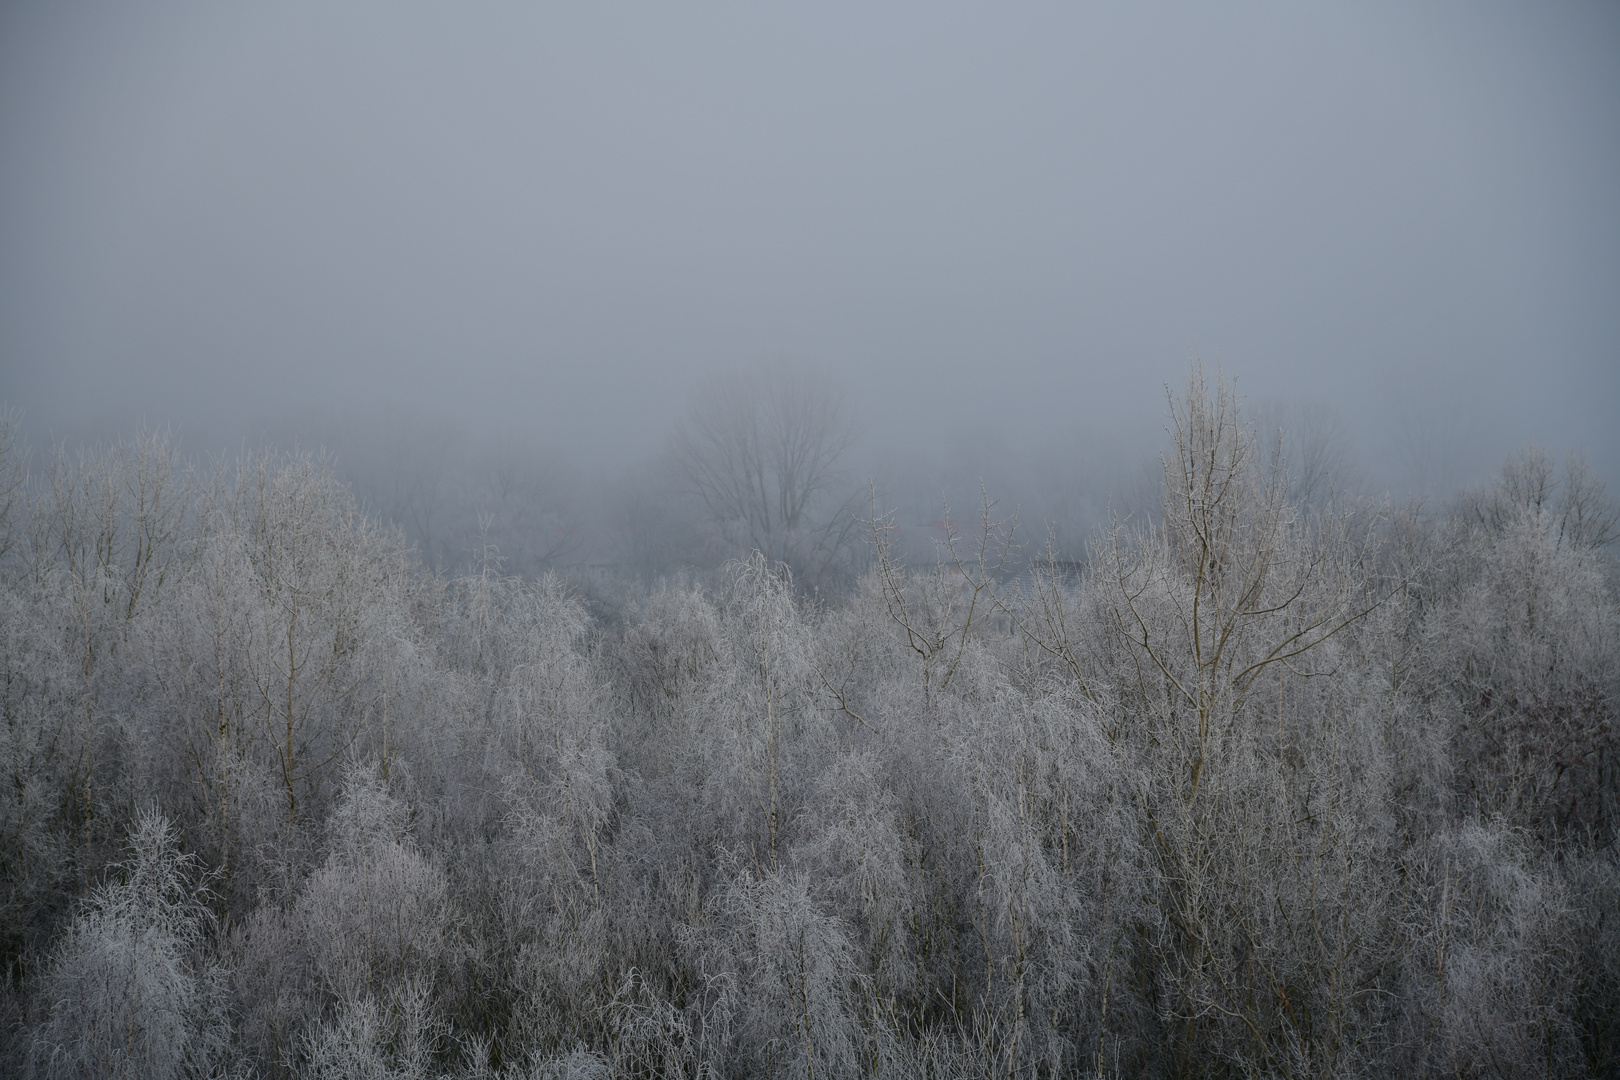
(1309, 441)
(762, 450)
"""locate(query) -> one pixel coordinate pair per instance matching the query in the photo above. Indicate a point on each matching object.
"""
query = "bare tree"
(1310, 440)
(762, 449)
(1435, 447)
(321, 573)
(1572, 503)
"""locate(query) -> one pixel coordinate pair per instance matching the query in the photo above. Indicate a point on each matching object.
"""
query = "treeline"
(769, 458)
(1272, 786)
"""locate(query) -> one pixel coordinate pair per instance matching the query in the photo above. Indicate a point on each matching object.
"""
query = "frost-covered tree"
(1525, 632)
(130, 991)
(320, 573)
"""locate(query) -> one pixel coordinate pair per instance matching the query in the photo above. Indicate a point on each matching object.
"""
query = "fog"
(817, 541)
(1003, 231)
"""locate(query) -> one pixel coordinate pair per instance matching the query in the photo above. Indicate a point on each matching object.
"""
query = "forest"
(1267, 780)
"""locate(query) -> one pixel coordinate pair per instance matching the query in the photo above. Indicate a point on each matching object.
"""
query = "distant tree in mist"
(1572, 503)
(13, 475)
(1435, 449)
(763, 450)
(656, 527)
(1311, 441)
(458, 496)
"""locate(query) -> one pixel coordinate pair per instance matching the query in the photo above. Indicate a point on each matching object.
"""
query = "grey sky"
(1019, 219)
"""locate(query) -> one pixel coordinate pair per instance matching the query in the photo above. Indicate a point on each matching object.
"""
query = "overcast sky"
(1013, 218)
